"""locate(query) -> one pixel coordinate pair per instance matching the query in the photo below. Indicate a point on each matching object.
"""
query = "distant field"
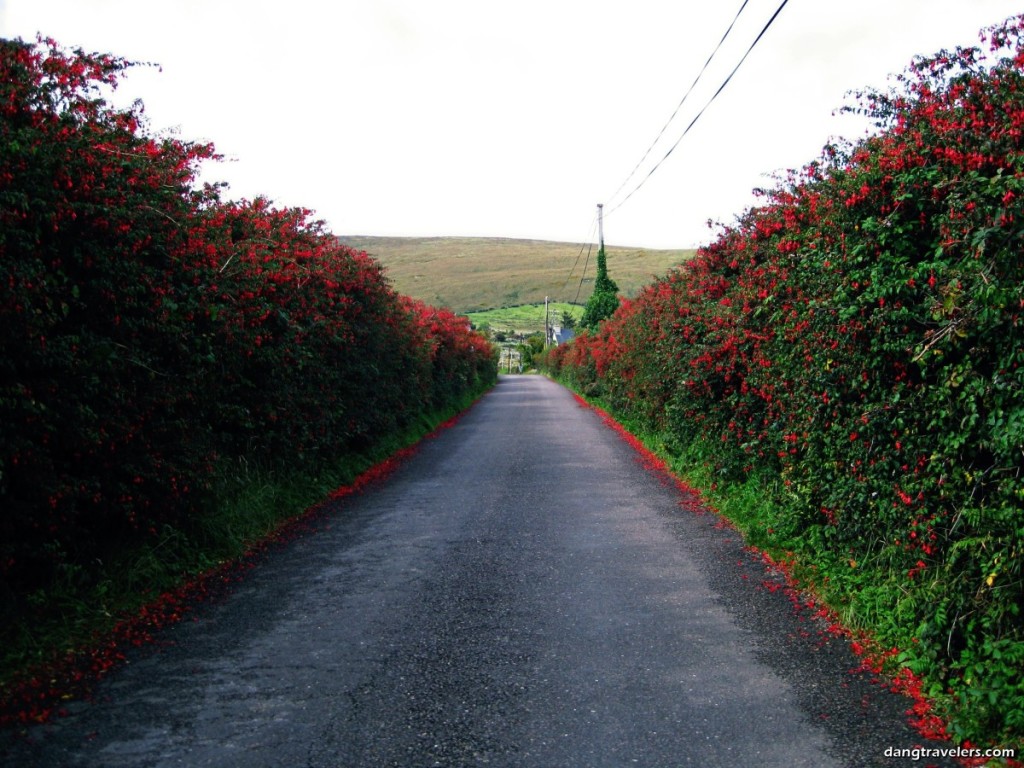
(469, 274)
(525, 318)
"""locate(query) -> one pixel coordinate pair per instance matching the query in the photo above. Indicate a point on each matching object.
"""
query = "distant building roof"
(562, 335)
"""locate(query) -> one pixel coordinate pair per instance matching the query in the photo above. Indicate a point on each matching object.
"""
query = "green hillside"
(469, 274)
(524, 318)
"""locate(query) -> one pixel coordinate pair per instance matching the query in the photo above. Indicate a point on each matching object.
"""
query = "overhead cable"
(584, 274)
(681, 102)
(584, 244)
(713, 97)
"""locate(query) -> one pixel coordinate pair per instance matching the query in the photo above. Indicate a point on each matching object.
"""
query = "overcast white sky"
(468, 117)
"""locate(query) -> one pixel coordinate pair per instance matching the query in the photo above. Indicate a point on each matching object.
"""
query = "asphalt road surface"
(521, 592)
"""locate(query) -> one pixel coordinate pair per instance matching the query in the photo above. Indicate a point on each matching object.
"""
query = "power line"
(682, 101)
(580, 286)
(583, 245)
(713, 97)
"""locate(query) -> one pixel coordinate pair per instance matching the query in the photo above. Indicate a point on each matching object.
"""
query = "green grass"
(470, 274)
(867, 598)
(524, 319)
(253, 503)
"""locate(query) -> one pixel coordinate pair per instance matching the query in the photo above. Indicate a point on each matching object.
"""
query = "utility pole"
(600, 226)
(547, 332)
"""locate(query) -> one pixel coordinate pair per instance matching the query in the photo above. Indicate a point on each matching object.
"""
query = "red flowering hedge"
(151, 332)
(856, 343)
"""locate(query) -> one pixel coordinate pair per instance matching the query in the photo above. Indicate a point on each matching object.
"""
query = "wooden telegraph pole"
(547, 327)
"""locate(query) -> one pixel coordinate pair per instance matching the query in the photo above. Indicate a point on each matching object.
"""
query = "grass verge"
(859, 601)
(81, 627)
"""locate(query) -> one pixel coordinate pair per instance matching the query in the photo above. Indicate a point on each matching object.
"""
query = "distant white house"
(561, 335)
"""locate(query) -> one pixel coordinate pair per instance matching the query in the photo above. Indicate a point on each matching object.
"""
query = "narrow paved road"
(522, 592)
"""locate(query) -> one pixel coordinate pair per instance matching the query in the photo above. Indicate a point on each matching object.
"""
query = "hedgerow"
(153, 336)
(854, 342)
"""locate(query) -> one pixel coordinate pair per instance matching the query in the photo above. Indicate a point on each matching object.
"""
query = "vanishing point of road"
(521, 592)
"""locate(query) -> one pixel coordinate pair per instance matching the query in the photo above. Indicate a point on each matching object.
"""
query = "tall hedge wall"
(151, 332)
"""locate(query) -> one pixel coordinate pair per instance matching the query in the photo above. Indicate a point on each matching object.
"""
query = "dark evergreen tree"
(605, 299)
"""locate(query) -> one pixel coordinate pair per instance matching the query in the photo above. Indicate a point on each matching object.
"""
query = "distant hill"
(469, 274)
